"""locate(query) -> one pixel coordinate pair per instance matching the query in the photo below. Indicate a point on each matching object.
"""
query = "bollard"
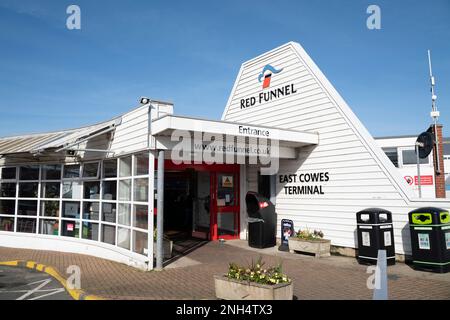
(381, 292)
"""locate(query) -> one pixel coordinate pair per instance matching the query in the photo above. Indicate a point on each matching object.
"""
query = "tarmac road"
(25, 284)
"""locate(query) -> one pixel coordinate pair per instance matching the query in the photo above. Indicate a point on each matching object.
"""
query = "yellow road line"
(76, 294)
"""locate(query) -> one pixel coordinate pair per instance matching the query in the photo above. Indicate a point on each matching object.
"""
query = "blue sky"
(189, 52)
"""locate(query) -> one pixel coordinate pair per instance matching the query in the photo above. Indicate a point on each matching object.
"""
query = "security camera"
(144, 100)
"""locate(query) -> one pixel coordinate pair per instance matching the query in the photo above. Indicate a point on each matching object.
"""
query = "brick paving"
(326, 278)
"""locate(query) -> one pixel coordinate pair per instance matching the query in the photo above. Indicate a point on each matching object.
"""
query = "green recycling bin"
(430, 239)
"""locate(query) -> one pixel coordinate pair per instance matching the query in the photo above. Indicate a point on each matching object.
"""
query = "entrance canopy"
(166, 130)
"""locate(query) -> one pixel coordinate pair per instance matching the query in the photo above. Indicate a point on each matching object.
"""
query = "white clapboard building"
(94, 190)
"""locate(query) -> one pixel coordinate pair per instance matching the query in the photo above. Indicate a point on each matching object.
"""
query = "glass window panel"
(9, 173)
(50, 189)
(50, 227)
(70, 228)
(225, 190)
(28, 189)
(109, 212)
(71, 190)
(90, 231)
(7, 207)
(27, 208)
(123, 238)
(140, 216)
(71, 209)
(409, 157)
(140, 242)
(108, 234)
(125, 166)
(8, 190)
(141, 189)
(91, 210)
(6, 224)
(110, 168)
(72, 171)
(92, 190)
(51, 172)
(90, 170)
(109, 190)
(141, 164)
(125, 190)
(29, 172)
(124, 214)
(49, 209)
(27, 225)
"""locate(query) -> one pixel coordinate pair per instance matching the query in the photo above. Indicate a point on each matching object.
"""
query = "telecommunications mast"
(434, 113)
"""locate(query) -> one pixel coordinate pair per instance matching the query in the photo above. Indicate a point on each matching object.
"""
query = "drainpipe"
(160, 213)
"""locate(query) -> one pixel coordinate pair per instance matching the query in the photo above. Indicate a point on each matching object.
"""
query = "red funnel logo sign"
(266, 73)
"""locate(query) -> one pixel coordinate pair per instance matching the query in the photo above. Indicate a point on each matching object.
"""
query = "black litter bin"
(375, 232)
(262, 221)
(430, 239)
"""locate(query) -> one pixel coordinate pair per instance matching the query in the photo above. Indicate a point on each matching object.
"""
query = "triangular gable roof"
(246, 81)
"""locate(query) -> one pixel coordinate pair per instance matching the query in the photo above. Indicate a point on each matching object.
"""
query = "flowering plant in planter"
(253, 282)
(257, 273)
(308, 235)
(310, 242)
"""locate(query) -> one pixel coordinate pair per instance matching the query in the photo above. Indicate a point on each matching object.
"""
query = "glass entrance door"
(225, 205)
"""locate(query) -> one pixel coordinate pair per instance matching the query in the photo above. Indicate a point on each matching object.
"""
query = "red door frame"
(216, 210)
(214, 170)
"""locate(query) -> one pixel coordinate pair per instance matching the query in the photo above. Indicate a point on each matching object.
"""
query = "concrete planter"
(230, 289)
(320, 248)
(167, 247)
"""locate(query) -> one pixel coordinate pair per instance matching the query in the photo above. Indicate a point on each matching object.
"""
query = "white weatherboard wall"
(361, 175)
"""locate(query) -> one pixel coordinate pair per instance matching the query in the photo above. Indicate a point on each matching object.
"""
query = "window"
(125, 166)
(71, 209)
(8, 207)
(72, 171)
(125, 190)
(50, 189)
(140, 216)
(90, 231)
(49, 209)
(108, 234)
(141, 164)
(8, 173)
(92, 190)
(109, 212)
(29, 173)
(27, 208)
(123, 238)
(6, 224)
(70, 228)
(28, 189)
(26, 225)
(91, 210)
(8, 190)
(141, 189)
(71, 190)
(90, 170)
(109, 190)
(392, 154)
(51, 172)
(140, 242)
(410, 157)
(110, 168)
(49, 227)
(124, 216)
